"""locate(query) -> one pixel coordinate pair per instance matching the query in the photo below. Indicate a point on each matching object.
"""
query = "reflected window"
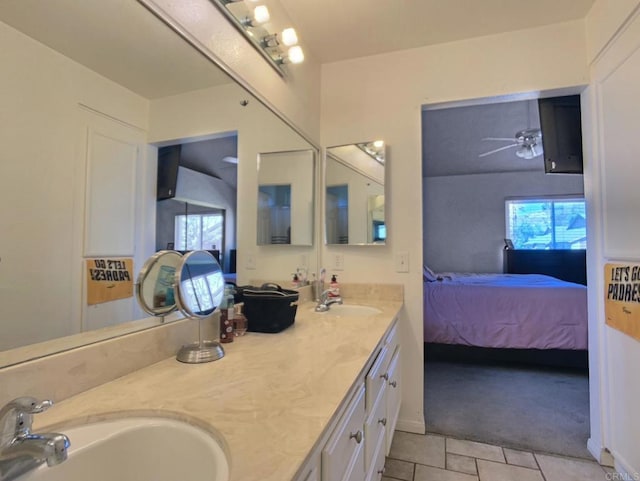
(199, 231)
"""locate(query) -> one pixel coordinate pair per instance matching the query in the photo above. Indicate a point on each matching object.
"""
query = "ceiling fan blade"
(510, 139)
(498, 150)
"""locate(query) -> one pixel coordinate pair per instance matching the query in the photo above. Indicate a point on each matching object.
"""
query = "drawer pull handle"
(357, 436)
(393, 384)
(383, 421)
(385, 376)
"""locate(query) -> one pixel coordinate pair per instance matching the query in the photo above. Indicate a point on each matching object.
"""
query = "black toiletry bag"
(269, 308)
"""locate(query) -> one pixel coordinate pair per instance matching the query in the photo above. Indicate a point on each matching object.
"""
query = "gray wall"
(464, 218)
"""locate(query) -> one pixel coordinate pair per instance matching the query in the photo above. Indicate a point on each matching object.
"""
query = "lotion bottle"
(334, 287)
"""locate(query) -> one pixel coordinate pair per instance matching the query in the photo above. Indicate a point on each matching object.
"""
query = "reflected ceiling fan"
(527, 141)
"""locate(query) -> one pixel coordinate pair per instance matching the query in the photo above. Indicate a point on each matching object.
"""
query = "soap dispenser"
(334, 287)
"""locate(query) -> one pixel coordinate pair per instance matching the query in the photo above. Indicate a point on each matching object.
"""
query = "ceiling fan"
(527, 141)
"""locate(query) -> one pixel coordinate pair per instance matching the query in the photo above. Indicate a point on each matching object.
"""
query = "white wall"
(215, 110)
(464, 215)
(611, 179)
(43, 185)
(361, 101)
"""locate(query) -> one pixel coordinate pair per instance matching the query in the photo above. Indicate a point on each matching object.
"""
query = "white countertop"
(269, 399)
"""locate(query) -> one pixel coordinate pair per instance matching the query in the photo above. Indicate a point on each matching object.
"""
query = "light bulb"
(295, 54)
(261, 14)
(378, 143)
(289, 37)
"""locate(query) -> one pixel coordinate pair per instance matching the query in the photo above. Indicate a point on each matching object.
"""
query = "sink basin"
(351, 310)
(137, 449)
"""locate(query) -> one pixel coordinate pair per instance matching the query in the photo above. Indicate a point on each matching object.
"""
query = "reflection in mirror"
(154, 289)
(355, 202)
(285, 198)
(200, 284)
(89, 103)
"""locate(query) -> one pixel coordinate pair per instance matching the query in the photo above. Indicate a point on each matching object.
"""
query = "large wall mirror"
(91, 92)
(354, 194)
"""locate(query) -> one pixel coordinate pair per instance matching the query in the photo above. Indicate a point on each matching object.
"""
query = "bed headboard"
(568, 265)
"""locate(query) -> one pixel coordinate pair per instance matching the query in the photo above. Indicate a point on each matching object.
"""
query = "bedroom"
(470, 185)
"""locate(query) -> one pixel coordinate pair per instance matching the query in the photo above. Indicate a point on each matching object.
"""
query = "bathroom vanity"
(318, 401)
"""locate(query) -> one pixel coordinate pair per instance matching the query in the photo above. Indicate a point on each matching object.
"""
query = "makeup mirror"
(354, 194)
(155, 285)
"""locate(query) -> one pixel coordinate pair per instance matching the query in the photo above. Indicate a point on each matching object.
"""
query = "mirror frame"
(143, 276)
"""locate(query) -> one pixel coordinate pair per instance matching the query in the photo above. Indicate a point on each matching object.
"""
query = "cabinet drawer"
(346, 441)
(374, 427)
(377, 377)
(393, 339)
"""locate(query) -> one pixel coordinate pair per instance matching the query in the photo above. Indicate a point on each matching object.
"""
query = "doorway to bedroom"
(504, 247)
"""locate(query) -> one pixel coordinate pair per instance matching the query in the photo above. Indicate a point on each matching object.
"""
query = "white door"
(110, 156)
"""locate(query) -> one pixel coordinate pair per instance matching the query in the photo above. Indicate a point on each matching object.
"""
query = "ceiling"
(452, 138)
(334, 30)
(207, 157)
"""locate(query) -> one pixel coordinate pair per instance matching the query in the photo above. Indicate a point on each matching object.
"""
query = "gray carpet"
(541, 410)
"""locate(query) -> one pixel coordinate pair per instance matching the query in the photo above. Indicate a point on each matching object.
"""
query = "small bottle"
(334, 287)
(227, 313)
(240, 322)
(295, 282)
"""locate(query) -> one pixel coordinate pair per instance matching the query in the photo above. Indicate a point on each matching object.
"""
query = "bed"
(518, 311)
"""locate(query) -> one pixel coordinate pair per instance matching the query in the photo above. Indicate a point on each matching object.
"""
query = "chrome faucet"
(324, 301)
(20, 449)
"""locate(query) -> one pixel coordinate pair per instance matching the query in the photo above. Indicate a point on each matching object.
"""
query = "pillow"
(428, 275)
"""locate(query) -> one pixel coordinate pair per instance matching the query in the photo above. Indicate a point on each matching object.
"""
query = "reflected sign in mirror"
(155, 285)
(285, 198)
(200, 284)
(355, 202)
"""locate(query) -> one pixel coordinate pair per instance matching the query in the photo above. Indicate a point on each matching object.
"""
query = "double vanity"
(318, 401)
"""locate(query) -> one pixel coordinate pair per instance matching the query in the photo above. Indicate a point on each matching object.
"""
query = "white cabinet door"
(394, 389)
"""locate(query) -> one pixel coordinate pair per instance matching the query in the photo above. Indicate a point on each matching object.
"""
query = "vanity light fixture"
(373, 149)
(259, 28)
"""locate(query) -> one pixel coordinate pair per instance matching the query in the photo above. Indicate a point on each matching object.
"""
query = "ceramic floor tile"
(398, 469)
(463, 464)
(492, 471)
(418, 448)
(564, 469)
(520, 458)
(428, 473)
(475, 450)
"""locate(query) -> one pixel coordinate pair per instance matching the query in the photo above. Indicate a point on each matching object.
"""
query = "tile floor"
(430, 457)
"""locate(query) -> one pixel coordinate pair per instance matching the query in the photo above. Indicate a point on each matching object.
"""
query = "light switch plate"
(402, 261)
(338, 262)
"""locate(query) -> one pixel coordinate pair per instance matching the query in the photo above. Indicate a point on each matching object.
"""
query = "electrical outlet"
(250, 262)
(402, 262)
(338, 262)
(303, 260)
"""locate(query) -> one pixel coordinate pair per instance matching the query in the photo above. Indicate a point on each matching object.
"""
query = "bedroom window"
(546, 223)
(199, 231)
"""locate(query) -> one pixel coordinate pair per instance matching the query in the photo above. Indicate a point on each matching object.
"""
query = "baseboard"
(602, 455)
(624, 468)
(410, 426)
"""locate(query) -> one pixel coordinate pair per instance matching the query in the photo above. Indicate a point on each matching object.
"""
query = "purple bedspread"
(505, 310)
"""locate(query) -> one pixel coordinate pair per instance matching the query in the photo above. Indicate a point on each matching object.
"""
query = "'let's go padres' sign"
(109, 279)
(622, 298)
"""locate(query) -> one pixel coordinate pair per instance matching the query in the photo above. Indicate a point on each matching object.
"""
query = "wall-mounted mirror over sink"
(285, 198)
(354, 194)
(86, 106)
